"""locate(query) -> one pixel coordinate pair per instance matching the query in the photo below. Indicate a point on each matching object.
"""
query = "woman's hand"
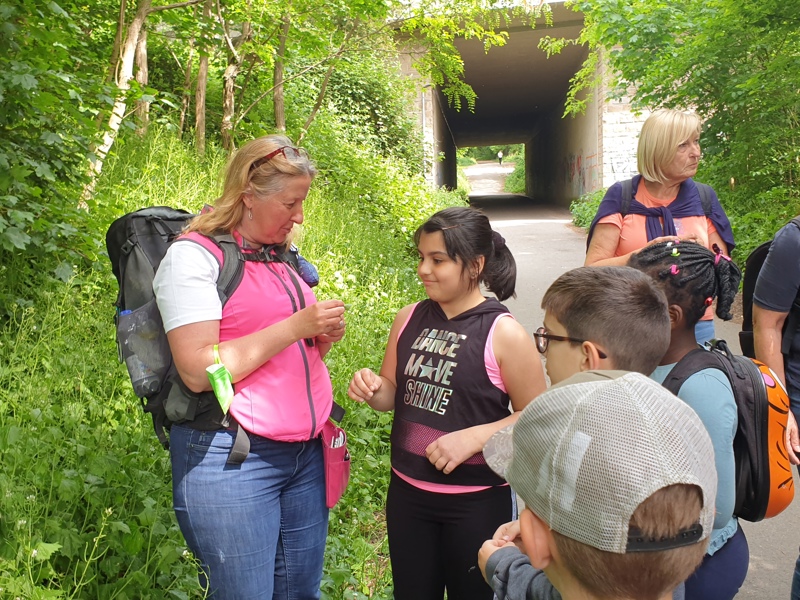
(334, 336)
(364, 385)
(452, 449)
(666, 238)
(321, 318)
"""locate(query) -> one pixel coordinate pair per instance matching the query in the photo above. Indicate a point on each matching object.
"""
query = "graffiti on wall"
(581, 174)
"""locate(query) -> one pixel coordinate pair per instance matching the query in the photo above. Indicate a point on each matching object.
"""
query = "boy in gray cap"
(618, 478)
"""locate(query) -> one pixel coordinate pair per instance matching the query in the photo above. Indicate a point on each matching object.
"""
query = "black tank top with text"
(442, 386)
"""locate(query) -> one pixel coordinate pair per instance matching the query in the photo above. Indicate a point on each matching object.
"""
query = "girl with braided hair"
(692, 277)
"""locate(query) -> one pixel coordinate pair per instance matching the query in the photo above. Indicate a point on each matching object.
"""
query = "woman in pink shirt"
(249, 487)
(664, 203)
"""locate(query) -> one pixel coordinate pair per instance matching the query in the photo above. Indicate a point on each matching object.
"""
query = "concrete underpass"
(521, 96)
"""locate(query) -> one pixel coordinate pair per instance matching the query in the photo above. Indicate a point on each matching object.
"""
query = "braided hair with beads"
(692, 276)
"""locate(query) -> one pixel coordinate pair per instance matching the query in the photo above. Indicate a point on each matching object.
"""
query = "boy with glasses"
(596, 318)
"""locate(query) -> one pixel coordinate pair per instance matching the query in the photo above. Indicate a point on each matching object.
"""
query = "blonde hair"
(641, 575)
(265, 179)
(662, 133)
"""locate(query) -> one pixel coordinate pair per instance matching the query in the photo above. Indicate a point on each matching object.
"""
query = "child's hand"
(452, 449)
(363, 385)
(508, 532)
(488, 548)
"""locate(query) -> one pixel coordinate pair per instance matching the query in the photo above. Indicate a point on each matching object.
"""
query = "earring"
(250, 214)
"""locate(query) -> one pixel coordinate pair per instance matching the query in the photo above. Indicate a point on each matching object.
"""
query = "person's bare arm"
(604, 245)
(523, 376)
(767, 337)
(192, 345)
(714, 238)
(378, 390)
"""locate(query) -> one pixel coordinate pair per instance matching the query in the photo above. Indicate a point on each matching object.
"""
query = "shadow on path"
(517, 206)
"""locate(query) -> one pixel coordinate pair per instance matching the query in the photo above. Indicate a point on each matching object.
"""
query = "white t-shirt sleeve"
(185, 286)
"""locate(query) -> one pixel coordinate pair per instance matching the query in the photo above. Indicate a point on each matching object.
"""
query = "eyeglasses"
(543, 339)
(289, 153)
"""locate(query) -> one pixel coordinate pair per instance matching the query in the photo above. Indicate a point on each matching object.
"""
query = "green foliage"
(584, 208)
(735, 63)
(83, 511)
(45, 130)
(511, 152)
(374, 95)
(515, 181)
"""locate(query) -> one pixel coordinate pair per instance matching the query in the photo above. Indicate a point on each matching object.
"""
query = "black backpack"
(136, 243)
(764, 484)
(752, 267)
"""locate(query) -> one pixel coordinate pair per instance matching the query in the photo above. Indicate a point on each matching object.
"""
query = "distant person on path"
(665, 203)
(692, 277)
(595, 318)
(618, 481)
(452, 365)
(777, 288)
(500, 157)
(257, 528)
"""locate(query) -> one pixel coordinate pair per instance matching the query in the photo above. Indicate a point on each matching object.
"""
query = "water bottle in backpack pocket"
(144, 348)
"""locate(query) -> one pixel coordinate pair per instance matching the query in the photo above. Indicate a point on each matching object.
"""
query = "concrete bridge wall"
(521, 101)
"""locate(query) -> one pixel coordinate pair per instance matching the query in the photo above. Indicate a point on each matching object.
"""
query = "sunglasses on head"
(543, 338)
(289, 153)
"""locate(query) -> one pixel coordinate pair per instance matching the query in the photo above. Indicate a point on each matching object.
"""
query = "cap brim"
(499, 450)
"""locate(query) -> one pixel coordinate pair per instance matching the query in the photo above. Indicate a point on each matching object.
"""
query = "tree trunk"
(200, 106)
(323, 88)
(187, 87)
(200, 91)
(142, 106)
(229, 85)
(113, 64)
(228, 106)
(112, 67)
(277, 92)
(124, 76)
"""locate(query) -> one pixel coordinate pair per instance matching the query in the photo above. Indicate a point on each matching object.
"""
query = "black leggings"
(434, 539)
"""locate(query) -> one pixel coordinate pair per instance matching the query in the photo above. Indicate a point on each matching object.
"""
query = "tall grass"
(85, 498)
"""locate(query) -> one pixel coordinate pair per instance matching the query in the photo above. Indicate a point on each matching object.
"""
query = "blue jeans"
(704, 331)
(257, 529)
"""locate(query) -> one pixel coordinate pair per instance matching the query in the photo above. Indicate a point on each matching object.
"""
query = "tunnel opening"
(520, 102)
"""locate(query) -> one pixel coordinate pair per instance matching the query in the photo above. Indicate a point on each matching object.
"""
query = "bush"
(584, 208)
(515, 182)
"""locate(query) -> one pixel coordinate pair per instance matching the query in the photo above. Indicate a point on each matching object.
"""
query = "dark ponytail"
(692, 276)
(468, 235)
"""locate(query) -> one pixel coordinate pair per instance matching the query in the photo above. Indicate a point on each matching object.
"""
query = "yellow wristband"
(217, 359)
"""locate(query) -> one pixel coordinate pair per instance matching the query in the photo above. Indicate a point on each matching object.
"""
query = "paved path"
(545, 245)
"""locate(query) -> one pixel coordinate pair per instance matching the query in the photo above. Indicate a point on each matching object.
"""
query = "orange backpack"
(764, 484)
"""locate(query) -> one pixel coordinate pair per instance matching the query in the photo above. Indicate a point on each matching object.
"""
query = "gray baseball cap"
(588, 451)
